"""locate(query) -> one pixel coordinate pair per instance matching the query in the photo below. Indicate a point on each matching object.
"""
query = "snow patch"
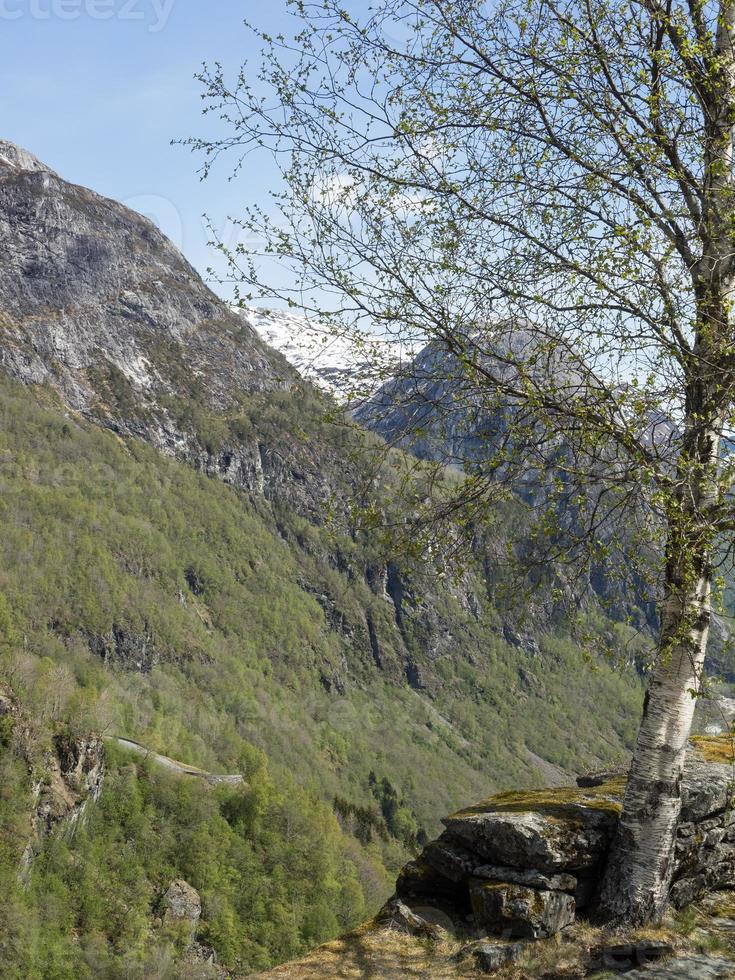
(347, 366)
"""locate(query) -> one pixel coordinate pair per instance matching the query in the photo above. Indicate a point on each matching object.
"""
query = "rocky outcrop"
(523, 865)
(182, 904)
(125, 649)
(73, 777)
(503, 908)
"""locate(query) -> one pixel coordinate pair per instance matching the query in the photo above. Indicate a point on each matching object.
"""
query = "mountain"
(89, 286)
(347, 364)
(182, 565)
(331, 362)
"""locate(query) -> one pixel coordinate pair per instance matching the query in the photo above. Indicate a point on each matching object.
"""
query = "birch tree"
(542, 191)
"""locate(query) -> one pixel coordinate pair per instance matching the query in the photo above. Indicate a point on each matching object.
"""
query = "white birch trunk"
(641, 864)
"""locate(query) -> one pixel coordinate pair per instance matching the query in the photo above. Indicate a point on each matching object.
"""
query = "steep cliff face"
(98, 305)
(96, 302)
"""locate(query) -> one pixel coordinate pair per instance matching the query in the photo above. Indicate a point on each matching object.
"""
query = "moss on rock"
(562, 802)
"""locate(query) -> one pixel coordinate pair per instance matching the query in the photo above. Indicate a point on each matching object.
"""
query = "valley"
(182, 567)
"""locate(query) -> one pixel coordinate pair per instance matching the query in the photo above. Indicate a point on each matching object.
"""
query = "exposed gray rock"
(491, 956)
(125, 649)
(518, 912)
(457, 863)
(706, 788)
(419, 880)
(687, 968)
(541, 840)
(182, 904)
(86, 281)
(705, 845)
(530, 878)
(75, 774)
(98, 305)
(395, 914)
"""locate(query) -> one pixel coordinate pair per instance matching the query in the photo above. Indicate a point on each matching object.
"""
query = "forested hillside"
(112, 553)
(181, 564)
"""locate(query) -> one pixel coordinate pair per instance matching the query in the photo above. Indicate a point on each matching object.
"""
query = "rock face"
(519, 912)
(123, 649)
(85, 279)
(76, 772)
(521, 865)
(182, 902)
(490, 957)
(182, 907)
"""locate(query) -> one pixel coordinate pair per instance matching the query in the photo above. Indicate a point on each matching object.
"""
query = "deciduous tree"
(541, 191)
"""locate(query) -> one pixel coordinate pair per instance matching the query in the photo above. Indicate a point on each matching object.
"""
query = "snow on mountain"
(347, 366)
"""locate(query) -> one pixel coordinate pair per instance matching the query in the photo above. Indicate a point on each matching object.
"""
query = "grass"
(562, 801)
(715, 748)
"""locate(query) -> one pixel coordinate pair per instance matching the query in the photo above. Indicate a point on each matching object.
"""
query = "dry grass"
(375, 952)
(715, 748)
(380, 953)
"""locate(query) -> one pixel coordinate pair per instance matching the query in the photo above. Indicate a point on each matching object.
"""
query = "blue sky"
(98, 88)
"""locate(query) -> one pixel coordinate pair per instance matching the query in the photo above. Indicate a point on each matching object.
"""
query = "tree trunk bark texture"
(640, 866)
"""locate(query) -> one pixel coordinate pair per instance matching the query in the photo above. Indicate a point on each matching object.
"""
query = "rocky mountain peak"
(96, 303)
(14, 157)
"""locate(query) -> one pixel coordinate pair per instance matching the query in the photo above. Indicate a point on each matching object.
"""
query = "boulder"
(621, 957)
(518, 912)
(491, 956)
(395, 914)
(182, 904)
(419, 880)
(548, 838)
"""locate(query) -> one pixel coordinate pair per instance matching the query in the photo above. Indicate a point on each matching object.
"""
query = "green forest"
(103, 535)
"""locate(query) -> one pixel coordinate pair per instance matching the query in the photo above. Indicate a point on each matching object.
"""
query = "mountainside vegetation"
(144, 599)
(192, 558)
